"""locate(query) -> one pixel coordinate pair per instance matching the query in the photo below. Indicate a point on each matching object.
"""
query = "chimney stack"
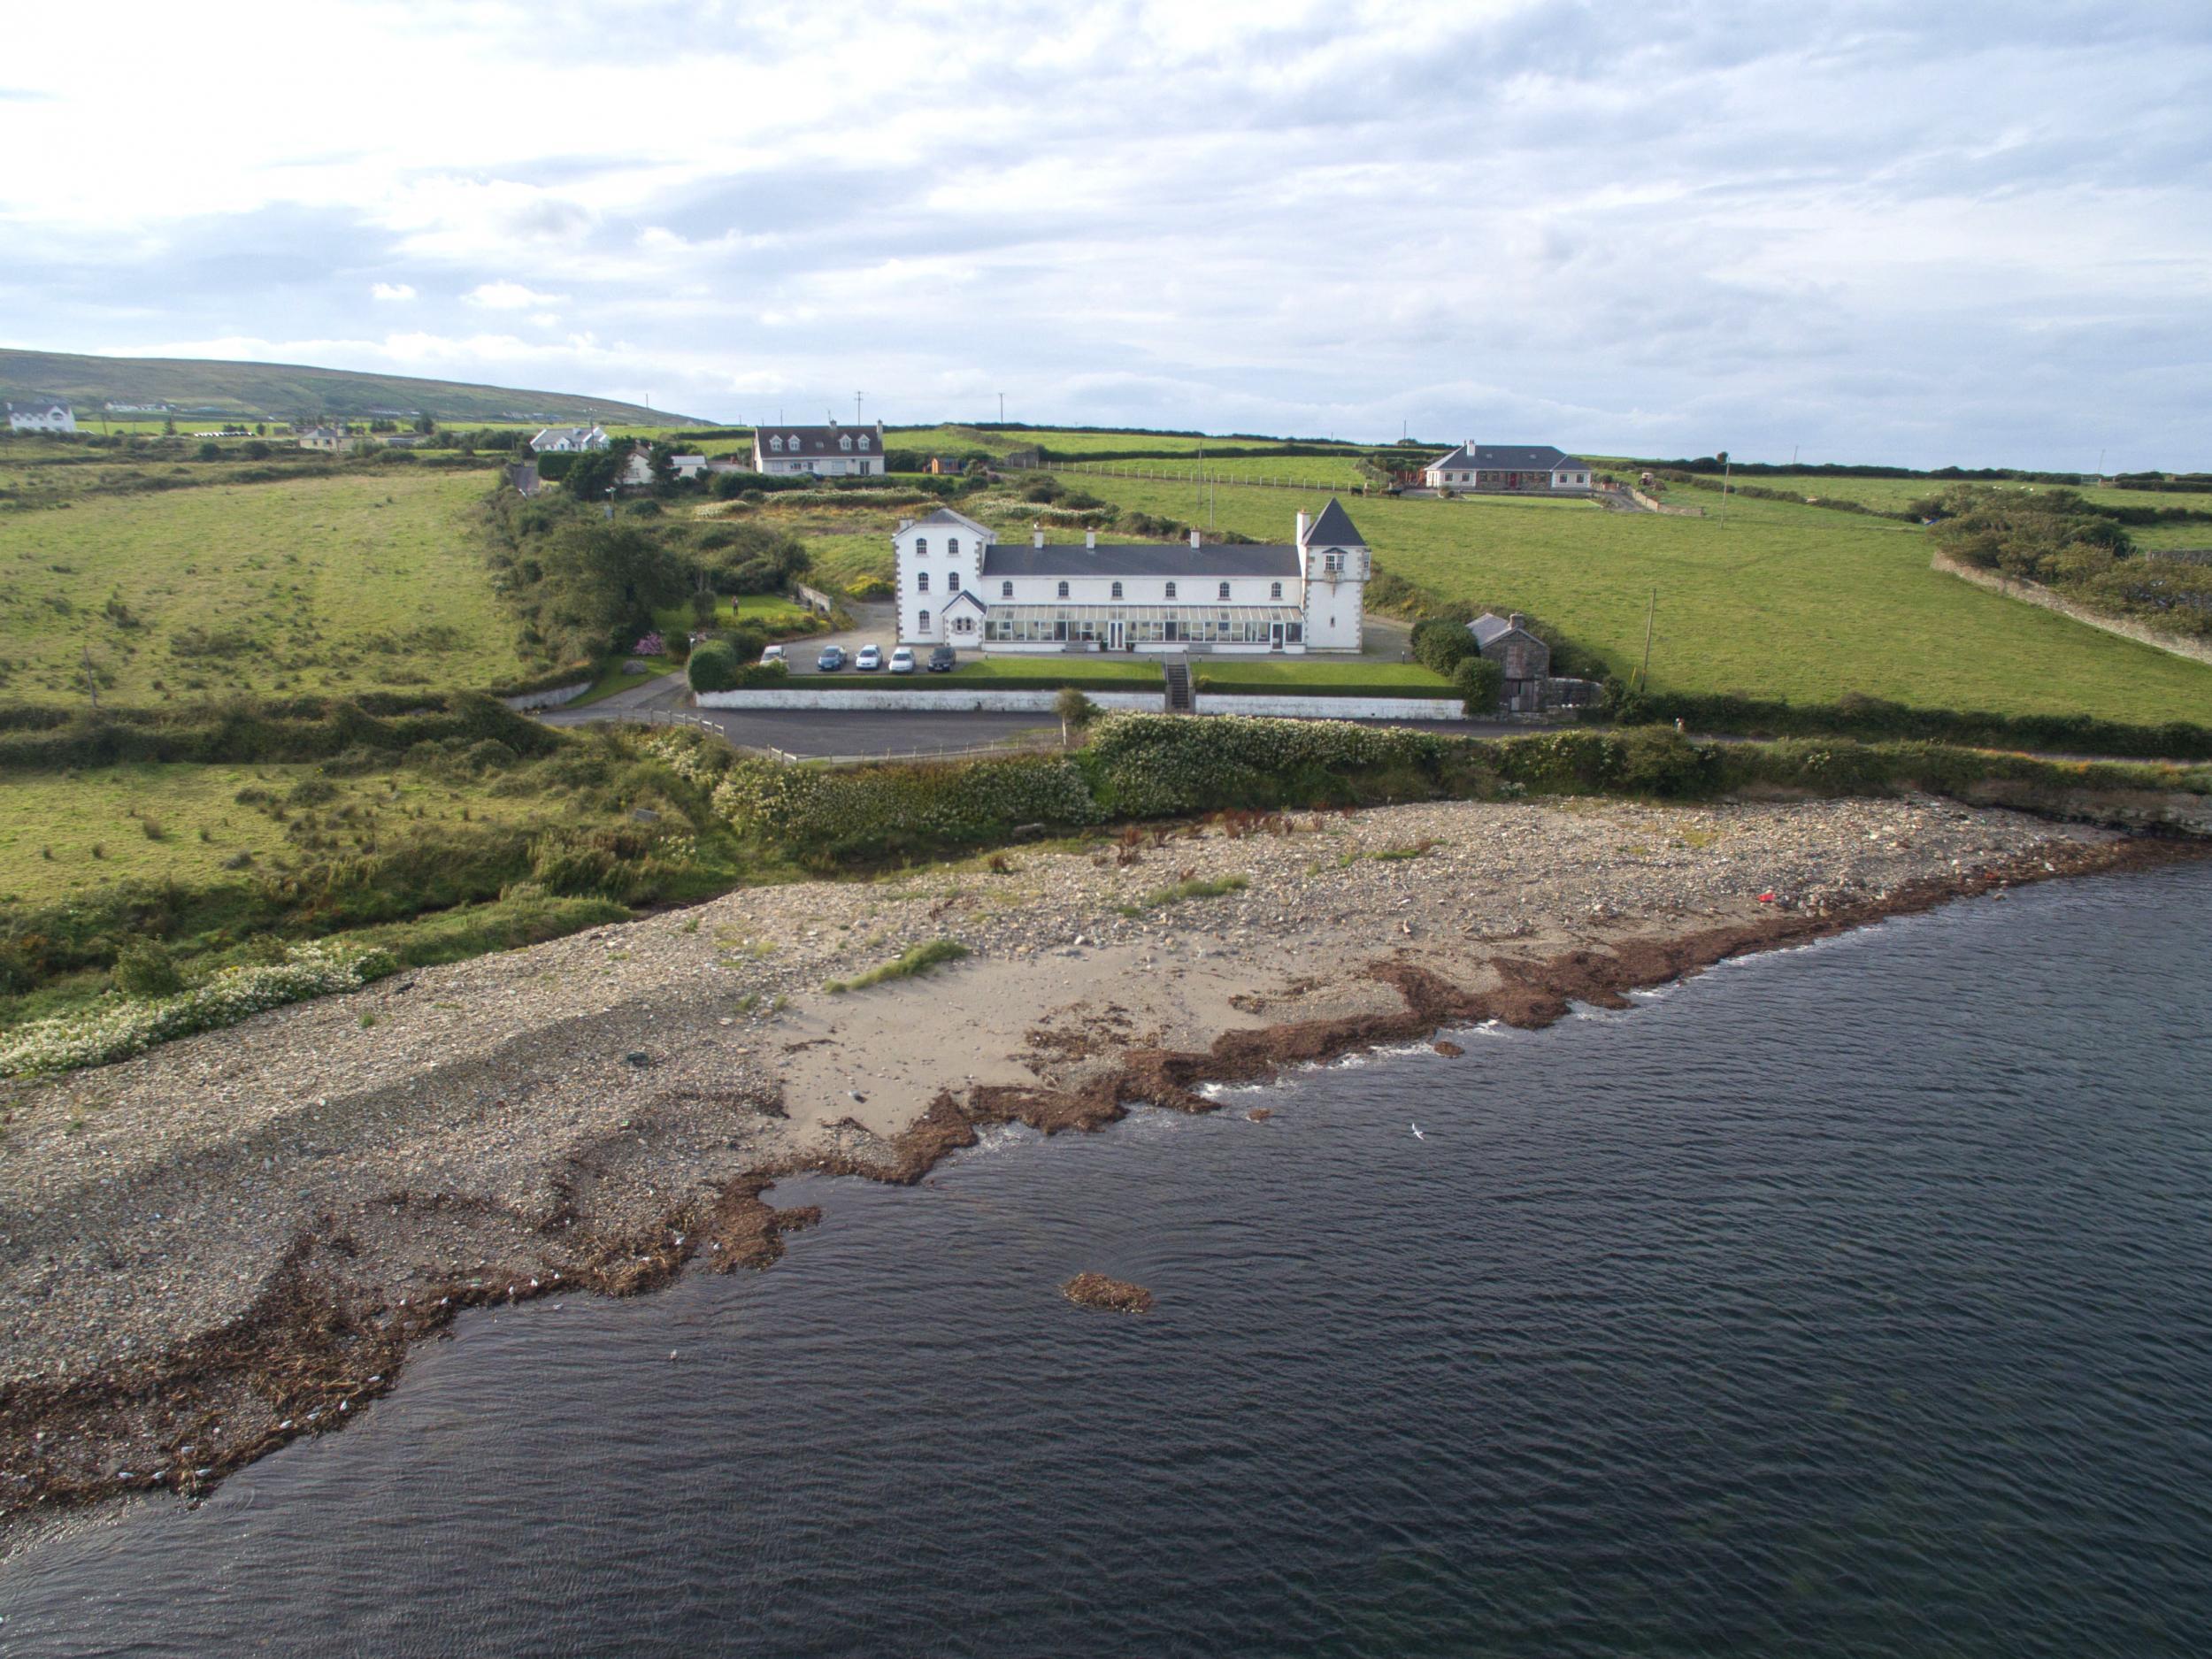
(1193, 536)
(1517, 620)
(1304, 523)
(1090, 539)
(1036, 534)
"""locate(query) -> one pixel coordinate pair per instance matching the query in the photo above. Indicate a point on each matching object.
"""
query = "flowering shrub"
(116, 1029)
(651, 645)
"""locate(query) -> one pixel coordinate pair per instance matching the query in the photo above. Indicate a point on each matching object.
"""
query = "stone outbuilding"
(1521, 658)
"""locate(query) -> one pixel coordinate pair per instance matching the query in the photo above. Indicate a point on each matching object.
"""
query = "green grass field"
(353, 582)
(1776, 600)
(955, 438)
(73, 831)
(1325, 471)
(1894, 495)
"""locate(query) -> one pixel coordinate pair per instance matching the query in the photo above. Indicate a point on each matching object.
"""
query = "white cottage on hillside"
(958, 584)
(569, 440)
(1508, 466)
(41, 416)
(831, 451)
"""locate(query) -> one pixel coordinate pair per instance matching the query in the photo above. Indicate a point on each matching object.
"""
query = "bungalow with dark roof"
(1524, 467)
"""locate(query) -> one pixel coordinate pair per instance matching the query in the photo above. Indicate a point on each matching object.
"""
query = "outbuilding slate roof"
(1173, 559)
(1489, 627)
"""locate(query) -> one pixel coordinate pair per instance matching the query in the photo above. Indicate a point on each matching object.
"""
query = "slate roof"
(1333, 528)
(39, 406)
(1509, 457)
(1489, 627)
(1173, 559)
(946, 515)
(812, 442)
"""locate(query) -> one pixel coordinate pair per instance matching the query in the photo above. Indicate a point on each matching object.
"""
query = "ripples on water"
(1852, 1300)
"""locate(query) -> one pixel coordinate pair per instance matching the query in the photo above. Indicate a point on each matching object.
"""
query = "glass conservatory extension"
(1119, 627)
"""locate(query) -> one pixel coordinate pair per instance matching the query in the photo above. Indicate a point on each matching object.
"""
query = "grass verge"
(920, 960)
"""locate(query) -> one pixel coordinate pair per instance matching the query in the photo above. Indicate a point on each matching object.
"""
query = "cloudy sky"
(1902, 233)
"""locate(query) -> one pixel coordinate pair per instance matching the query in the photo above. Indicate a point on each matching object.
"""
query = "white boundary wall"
(1041, 702)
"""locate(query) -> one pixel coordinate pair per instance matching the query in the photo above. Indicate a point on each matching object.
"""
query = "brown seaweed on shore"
(1115, 1295)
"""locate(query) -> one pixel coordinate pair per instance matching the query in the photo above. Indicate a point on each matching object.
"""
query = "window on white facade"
(924, 621)
(952, 547)
(1225, 590)
(1117, 594)
(1333, 563)
(1006, 590)
(1274, 590)
(952, 581)
(921, 582)
(921, 547)
(1064, 590)
(1171, 590)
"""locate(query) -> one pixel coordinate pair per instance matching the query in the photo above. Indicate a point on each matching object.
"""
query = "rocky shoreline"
(234, 1241)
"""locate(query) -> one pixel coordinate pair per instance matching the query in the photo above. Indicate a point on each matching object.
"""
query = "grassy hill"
(1776, 600)
(281, 390)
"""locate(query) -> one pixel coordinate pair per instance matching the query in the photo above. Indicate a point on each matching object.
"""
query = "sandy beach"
(233, 1241)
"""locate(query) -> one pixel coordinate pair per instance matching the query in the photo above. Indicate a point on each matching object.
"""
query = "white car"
(773, 654)
(902, 660)
(871, 656)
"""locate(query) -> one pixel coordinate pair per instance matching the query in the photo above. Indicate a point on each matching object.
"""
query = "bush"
(144, 969)
(870, 587)
(714, 666)
(1479, 681)
(877, 812)
(1441, 646)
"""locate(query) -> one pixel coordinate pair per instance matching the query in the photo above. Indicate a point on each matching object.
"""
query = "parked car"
(832, 659)
(943, 660)
(902, 660)
(871, 656)
(773, 654)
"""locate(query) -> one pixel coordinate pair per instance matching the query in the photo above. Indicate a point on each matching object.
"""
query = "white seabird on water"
(1417, 1135)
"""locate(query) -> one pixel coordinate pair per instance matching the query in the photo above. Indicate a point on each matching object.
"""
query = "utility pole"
(1724, 464)
(1651, 612)
(856, 409)
(91, 683)
(1001, 408)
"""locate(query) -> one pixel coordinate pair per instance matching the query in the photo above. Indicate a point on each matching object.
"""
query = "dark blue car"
(832, 659)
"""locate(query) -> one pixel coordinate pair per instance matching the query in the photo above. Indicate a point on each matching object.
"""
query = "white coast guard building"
(831, 451)
(959, 585)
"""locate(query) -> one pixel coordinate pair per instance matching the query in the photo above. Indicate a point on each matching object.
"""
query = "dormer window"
(1171, 590)
(1064, 590)
(1117, 594)
(844, 443)
(863, 442)
(775, 446)
(794, 442)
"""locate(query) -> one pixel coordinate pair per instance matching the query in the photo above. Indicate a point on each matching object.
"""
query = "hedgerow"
(823, 815)
(118, 1029)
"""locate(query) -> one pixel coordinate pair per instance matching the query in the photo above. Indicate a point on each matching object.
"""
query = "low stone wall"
(1652, 504)
(2035, 593)
(551, 699)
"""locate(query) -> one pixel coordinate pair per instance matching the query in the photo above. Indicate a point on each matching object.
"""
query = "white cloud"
(509, 297)
(1972, 235)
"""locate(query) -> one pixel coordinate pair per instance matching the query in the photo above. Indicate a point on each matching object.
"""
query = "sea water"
(1852, 1300)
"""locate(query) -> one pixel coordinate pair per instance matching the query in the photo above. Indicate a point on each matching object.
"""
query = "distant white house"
(831, 451)
(1508, 466)
(687, 466)
(569, 440)
(337, 440)
(41, 416)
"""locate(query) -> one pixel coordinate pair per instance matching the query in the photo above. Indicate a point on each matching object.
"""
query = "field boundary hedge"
(41, 737)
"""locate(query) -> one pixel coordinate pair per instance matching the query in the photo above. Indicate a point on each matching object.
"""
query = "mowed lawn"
(1776, 600)
(331, 584)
